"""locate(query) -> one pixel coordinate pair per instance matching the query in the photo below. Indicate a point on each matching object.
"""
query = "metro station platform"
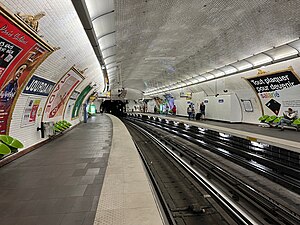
(91, 175)
(287, 139)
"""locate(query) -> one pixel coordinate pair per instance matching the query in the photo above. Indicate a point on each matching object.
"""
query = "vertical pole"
(84, 113)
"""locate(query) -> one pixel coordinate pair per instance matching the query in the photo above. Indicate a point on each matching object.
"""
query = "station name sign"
(273, 82)
(38, 86)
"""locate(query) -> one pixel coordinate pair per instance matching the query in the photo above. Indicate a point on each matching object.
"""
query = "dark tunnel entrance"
(115, 107)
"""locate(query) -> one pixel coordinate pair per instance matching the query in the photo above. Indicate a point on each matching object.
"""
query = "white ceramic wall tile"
(62, 28)
(28, 135)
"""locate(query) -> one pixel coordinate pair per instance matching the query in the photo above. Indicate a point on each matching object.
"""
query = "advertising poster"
(30, 112)
(38, 86)
(59, 97)
(21, 52)
(79, 101)
(277, 91)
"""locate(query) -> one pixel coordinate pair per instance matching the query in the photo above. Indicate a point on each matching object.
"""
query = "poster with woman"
(21, 51)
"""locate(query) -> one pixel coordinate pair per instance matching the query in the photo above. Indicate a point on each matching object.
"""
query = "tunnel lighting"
(228, 69)
(295, 45)
(188, 82)
(208, 76)
(218, 73)
(282, 52)
(289, 50)
(260, 59)
(242, 65)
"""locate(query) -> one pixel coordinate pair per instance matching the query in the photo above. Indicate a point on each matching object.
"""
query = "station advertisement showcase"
(30, 111)
(79, 101)
(60, 95)
(277, 90)
(21, 52)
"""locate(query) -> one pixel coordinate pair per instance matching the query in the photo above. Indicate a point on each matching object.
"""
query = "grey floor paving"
(59, 183)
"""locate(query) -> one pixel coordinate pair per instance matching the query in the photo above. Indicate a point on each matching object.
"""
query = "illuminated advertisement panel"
(21, 52)
(60, 95)
(277, 91)
(79, 101)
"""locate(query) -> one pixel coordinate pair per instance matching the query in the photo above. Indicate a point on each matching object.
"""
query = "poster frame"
(32, 34)
(67, 100)
(263, 73)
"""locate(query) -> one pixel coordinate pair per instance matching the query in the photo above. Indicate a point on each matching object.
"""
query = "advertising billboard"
(277, 91)
(21, 52)
(79, 101)
(60, 95)
(30, 112)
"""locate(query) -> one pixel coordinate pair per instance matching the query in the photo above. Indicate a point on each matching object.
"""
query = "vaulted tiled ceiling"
(154, 43)
(161, 42)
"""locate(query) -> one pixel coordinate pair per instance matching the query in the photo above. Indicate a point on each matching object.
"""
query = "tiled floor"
(126, 197)
(59, 183)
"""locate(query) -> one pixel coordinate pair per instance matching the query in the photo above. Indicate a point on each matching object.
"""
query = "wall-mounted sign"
(273, 81)
(187, 95)
(79, 101)
(75, 95)
(21, 51)
(60, 95)
(275, 89)
(30, 112)
(247, 105)
(38, 86)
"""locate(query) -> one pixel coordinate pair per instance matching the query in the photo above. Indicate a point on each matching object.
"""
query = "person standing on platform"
(174, 110)
(202, 110)
(167, 109)
(155, 109)
(193, 112)
(189, 111)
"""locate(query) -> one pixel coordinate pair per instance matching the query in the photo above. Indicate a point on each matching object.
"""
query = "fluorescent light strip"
(289, 50)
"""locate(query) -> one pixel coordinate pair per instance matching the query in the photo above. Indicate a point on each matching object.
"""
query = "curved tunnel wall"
(64, 38)
(239, 88)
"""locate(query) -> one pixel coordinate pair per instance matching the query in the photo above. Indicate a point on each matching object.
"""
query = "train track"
(236, 199)
(247, 156)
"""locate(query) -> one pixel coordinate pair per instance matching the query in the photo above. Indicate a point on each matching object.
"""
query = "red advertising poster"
(60, 95)
(34, 110)
(30, 112)
(20, 54)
